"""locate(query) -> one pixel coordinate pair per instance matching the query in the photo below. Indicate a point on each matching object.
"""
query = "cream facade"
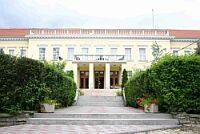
(96, 56)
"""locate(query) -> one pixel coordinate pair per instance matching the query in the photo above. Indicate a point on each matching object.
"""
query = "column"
(75, 70)
(107, 75)
(91, 75)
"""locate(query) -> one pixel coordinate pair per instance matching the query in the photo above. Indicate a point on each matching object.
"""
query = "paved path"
(78, 129)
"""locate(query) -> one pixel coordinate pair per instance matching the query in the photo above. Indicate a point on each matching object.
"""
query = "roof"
(14, 32)
(186, 34)
(182, 34)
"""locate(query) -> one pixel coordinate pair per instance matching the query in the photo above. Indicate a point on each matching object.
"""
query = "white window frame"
(23, 52)
(99, 54)
(113, 53)
(187, 51)
(70, 56)
(85, 53)
(175, 51)
(42, 55)
(11, 51)
(144, 56)
(56, 53)
(129, 74)
(128, 56)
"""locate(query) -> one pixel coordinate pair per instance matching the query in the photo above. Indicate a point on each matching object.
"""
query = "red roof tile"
(14, 32)
(188, 34)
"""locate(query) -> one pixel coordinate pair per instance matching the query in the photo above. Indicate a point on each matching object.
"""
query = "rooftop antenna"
(153, 25)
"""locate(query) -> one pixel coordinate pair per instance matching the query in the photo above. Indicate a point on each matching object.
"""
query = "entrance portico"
(98, 75)
(98, 71)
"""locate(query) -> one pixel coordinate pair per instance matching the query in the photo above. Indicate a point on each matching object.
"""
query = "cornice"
(184, 40)
(97, 37)
(13, 39)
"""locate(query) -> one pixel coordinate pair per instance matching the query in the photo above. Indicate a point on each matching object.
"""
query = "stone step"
(100, 92)
(100, 98)
(104, 115)
(86, 121)
(108, 104)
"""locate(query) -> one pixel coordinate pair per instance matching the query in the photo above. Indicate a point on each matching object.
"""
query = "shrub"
(176, 81)
(21, 81)
(173, 80)
(70, 73)
(24, 83)
(137, 87)
(63, 87)
(124, 78)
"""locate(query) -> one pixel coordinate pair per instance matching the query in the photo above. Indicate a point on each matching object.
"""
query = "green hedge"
(137, 87)
(173, 80)
(58, 81)
(24, 83)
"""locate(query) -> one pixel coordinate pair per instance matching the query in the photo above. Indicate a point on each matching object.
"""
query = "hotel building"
(97, 56)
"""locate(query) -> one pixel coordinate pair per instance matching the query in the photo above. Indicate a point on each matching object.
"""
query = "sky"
(168, 14)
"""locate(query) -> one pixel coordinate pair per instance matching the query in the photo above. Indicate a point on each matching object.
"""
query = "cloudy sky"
(176, 14)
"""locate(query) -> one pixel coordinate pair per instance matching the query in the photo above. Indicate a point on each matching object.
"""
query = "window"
(175, 52)
(113, 52)
(23, 52)
(56, 53)
(142, 52)
(129, 73)
(99, 52)
(85, 53)
(1, 50)
(187, 51)
(70, 54)
(41, 53)
(128, 53)
(11, 52)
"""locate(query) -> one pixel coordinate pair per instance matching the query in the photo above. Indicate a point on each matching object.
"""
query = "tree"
(198, 48)
(157, 53)
(124, 78)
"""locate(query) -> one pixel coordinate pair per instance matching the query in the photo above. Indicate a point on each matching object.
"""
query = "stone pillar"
(91, 75)
(107, 75)
(75, 70)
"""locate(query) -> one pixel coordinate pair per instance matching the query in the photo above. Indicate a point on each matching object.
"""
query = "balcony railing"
(97, 58)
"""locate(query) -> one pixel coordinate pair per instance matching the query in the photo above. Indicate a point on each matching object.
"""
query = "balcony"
(99, 58)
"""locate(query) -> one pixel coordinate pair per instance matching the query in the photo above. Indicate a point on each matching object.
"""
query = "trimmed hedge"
(173, 80)
(24, 83)
(58, 81)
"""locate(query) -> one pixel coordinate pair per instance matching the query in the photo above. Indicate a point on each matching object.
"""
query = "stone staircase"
(102, 110)
(109, 101)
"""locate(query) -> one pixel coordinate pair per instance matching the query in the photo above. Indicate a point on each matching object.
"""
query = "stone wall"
(9, 120)
(187, 119)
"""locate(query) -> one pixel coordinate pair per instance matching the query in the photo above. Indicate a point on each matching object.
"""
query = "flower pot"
(47, 108)
(151, 108)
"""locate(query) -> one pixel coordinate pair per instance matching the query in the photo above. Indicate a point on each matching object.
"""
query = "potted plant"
(139, 102)
(150, 105)
(47, 105)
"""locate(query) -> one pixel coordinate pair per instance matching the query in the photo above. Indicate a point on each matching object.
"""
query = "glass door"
(114, 79)
(99, 79)
(84, 79)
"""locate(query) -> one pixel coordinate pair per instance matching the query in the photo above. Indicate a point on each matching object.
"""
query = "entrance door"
(99, 79)
(114, 81)
(84, 79)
